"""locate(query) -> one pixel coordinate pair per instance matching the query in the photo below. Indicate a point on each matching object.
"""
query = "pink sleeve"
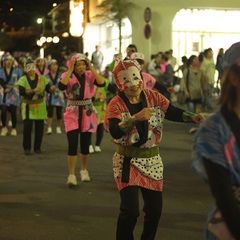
(90, 77)
(69, 86)
(148, 80)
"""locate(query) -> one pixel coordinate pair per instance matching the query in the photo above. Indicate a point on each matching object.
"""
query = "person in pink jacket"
(80, 115)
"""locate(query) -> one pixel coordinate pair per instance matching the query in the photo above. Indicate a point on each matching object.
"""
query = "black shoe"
(38, 151)
(27, 152)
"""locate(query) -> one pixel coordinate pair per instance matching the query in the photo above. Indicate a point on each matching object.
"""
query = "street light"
(41, 21)
(44, 39)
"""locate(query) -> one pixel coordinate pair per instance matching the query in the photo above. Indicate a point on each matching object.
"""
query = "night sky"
(25, 12)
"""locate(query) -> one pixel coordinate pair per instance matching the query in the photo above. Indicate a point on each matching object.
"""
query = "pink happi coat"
(71, 115)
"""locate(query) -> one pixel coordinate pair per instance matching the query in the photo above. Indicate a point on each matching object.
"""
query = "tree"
(116, 11)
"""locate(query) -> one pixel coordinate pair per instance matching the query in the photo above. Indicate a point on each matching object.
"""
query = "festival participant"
(134, 119)
(41, 66)
(100, 103)
(32, 89)
(216, 153)
(55, 99)
(9, 95)
(80, 116)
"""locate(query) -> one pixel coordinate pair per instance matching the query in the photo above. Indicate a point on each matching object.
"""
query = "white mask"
(129, 77)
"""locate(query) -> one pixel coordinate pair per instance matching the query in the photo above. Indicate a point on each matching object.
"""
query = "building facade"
(150, 25)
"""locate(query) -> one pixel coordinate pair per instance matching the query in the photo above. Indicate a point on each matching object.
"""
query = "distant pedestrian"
(219, 62)
(166, 74)
(208, 67)
(195, 86)
(131, 48)
(172, 59)
(97, 59)
(219, 68)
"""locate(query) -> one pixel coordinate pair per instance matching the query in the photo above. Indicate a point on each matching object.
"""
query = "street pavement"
(35, 203)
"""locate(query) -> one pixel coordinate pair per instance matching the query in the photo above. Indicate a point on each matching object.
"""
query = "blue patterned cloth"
(11, 98)
(215, 141)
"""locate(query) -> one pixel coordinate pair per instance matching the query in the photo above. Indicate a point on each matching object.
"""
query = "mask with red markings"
(127, 73)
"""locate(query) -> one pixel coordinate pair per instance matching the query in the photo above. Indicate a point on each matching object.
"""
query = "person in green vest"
(32, 89)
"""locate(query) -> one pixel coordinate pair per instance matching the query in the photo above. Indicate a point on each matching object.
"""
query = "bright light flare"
(49, 39)
(39, 21)
(65, 34)
(43, 39)
(56, 39)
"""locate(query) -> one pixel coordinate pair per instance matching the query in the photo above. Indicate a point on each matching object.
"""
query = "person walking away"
(216, 154)
(80, 116)
(134, 119)
(9, 94)
(55, 99)
(32, 88)
(195, 86)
